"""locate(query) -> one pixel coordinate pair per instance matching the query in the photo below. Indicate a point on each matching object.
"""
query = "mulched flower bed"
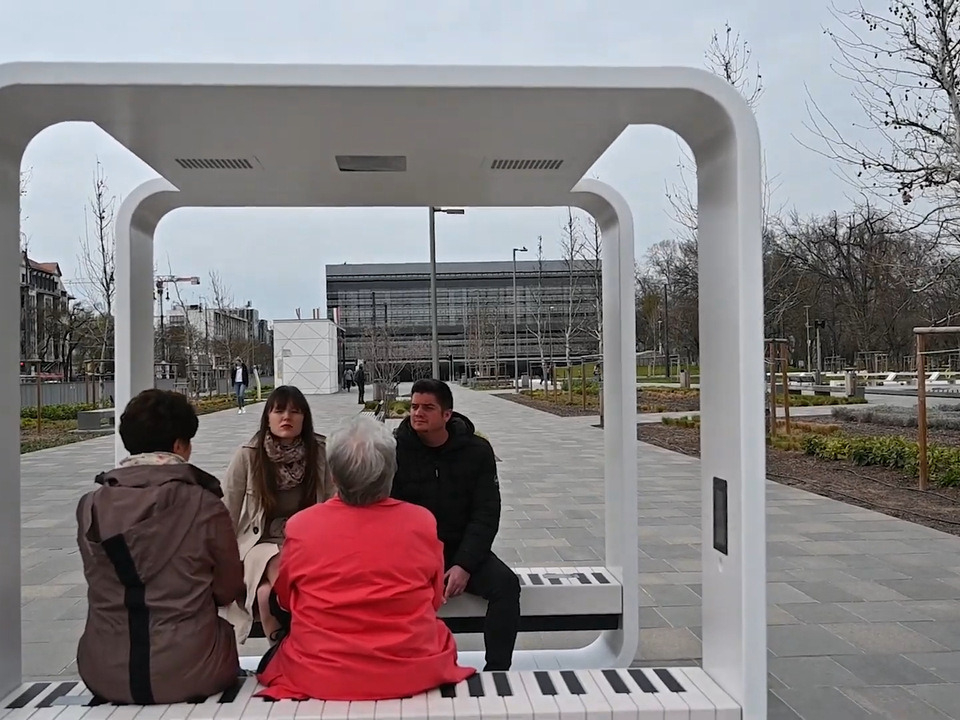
(884, 490)
(648, 401)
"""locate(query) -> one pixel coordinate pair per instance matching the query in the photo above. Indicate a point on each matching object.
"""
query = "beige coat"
(249, 521)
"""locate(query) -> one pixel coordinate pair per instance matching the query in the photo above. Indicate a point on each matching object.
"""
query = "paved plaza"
(864, 609)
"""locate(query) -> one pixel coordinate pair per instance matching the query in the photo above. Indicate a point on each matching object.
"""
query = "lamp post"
(516, 351)
(435, 343)
(161, 281)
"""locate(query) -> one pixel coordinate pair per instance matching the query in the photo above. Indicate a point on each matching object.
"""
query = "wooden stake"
(773, 389)
(922, 412)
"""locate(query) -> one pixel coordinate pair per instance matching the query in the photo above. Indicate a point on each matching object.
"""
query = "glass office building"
(475, 312)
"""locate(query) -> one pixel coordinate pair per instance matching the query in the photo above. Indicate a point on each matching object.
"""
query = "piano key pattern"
(676, 693)
(553, 591)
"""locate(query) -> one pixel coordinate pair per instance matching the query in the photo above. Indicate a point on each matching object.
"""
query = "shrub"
(55, 412)
(894, 416)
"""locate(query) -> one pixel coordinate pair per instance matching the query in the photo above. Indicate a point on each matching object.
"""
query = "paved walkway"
(864, 609)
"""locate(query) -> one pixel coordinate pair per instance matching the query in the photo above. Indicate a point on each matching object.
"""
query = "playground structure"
(337, 122)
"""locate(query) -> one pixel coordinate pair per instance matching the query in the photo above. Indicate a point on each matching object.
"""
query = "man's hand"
(455, 582)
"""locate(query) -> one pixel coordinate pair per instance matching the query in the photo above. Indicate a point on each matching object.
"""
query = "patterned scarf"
(291, 461)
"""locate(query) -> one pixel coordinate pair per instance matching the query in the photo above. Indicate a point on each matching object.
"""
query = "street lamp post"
(435, 343)
(516, 351)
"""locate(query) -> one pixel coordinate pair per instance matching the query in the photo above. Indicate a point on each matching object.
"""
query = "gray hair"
(362, 455)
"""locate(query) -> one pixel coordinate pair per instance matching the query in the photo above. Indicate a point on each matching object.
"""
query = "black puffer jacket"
(458, 483)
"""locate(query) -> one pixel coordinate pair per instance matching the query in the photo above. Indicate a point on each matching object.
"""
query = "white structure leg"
(136, 224)
(732, 442)
(10, 672)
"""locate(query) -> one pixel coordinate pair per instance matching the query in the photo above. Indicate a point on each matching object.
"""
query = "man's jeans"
(241, 391)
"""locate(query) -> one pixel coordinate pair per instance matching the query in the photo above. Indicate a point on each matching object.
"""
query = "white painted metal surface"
(288, 125)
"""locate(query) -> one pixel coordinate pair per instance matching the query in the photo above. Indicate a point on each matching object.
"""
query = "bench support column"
(136, 224)
(10, 649)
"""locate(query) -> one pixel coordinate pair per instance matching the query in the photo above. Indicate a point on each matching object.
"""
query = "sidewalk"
(864, 609)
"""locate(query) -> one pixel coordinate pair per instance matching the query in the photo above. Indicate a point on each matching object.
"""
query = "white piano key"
(725, 706)
(258, 708)
(206, 710)
(568, 704)
(362, 710)
(283, 710)
(387, 710)
(544, 706)
(646, 701)
(79, 693)
(492, 706)
(336, 710)
(700, 707)
(414, 708)
(104, 711)
(674, 708)
(622, 705)
(594, 703)
(465, 706)
(514, 694)
(309, 710)
(438, 706)
(125, 712)
(234, 710)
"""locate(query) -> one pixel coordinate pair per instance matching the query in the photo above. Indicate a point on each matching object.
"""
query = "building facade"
(209, 338)
(44, 325)
(557, 314)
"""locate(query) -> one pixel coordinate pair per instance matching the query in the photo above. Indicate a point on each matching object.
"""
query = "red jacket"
(363, 585)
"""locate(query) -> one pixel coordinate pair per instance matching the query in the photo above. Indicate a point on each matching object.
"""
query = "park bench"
(379, 413)
(551, 600)
(93, 420)
(664, 693)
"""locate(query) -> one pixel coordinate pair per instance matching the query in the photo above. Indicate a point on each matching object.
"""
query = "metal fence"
(74, 393)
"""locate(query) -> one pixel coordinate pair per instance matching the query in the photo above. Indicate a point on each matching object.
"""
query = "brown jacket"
(159, 556)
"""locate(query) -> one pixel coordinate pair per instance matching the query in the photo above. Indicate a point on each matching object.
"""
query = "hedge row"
(887, 451)
(944, 417)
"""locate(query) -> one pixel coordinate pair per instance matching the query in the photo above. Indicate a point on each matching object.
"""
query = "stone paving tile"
(855, 598)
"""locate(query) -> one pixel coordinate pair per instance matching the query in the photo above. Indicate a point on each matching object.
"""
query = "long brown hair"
(264, 470)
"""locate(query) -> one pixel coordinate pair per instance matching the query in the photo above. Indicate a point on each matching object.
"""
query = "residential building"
(556, 301)
(44, 306)
(211, 337)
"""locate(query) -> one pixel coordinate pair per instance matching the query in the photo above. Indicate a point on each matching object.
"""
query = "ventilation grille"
(526, 164)
(214, 163)
(372, 163)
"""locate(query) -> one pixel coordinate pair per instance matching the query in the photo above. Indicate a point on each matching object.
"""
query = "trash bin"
(850, 383)
(685, 379)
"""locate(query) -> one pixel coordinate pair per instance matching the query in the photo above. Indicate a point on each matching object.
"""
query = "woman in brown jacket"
(159, 556)
(281, 470)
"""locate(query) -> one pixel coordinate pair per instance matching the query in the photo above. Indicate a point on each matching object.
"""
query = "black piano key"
(230, 694)
(27, 695)
(584, 580)
(448, 691)
(616, 682)
(97, 701)
(673, 685)
(502, 683)
(58, 692)
(601, 578)
(475, 686)
(545, 683)
(642, 680)
(554, 581)
(535, 579)
(572, 682)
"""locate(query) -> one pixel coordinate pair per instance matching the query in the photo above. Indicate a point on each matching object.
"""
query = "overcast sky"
(786, 38)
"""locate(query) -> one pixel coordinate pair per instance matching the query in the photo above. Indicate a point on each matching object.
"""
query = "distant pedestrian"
(360, 378)
(241, 379)
(348, 379)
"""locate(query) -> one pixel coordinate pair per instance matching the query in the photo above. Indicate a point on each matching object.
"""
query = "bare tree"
(572, 246)
(230, 340)
(903, 67)
(97, 261)
(25, 176)
(591, 255)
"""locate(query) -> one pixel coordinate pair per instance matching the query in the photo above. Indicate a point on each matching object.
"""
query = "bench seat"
(664, 693)
(92, 420)
(554, 599)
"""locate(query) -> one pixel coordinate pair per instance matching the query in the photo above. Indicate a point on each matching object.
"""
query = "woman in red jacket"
(362, 577)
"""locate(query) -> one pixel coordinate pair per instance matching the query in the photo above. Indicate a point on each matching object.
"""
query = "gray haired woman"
(362, 577)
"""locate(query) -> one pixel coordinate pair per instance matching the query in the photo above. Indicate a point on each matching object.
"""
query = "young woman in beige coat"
(280, 471)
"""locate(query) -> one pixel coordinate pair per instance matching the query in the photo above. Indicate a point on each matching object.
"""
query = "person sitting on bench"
(443, 465)
(362, 578)
(281, 470)
(159, 556)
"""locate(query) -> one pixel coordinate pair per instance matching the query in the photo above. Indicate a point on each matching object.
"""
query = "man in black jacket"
(445, 467)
